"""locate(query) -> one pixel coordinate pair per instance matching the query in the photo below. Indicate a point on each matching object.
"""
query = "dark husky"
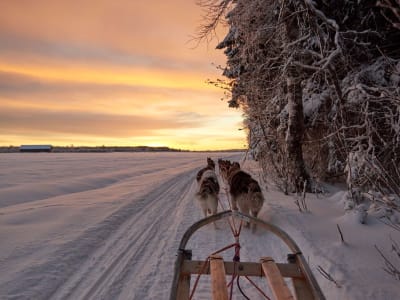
(245, 192)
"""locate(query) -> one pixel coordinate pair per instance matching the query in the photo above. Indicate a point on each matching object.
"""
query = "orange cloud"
(99, 75)
(18, 90)
(30, 120)
(161, 29)
(109, 72)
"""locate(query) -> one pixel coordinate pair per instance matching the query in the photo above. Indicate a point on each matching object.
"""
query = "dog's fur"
(210, 163)
(210, 166)
(233, 169)
(245, 192)
(224, 167)
(207, 196)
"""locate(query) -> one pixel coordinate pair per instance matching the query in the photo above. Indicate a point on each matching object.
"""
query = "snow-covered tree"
(318, 82)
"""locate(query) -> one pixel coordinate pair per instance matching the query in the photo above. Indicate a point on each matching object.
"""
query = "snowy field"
(108, 225)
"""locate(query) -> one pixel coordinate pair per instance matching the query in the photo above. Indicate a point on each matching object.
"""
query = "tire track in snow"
(158, 257)
(75, 267)
(33, 192)
(104, 274)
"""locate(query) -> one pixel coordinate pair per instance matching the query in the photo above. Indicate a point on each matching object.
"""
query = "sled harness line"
(256, 286)
(232, 224)
(227, 196)
(236, 234)
(204, 266)
(296, 268)
(236, 260)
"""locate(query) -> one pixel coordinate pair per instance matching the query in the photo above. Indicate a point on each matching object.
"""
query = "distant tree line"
(11, 149)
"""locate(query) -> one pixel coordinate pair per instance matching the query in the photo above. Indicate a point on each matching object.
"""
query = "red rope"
(220, 204)
(227, 196)
(231, 284)
(233, 227)
(203, 269)
(225, 248)
(258, 288)
(240, 228)
(231, 221)
(236, 258)
(236, 234)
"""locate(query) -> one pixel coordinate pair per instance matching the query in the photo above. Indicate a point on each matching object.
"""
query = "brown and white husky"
(245, 193)
(207, 196)
(210, 166)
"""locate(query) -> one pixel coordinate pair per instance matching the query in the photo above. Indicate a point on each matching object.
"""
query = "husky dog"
(210, 163)
(207, 196)
(245, 192)
(210, 166)
(232, 170)
(225, 166)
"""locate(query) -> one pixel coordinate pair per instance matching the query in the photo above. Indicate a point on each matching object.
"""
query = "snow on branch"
(214, 13)
(392, 6)
(341, 66)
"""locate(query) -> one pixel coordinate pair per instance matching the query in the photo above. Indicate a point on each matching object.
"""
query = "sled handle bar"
(302, 263)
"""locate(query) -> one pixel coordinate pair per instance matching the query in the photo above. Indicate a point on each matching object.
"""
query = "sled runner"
(305, 286)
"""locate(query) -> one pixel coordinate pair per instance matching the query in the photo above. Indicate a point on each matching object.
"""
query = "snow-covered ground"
(108, 225)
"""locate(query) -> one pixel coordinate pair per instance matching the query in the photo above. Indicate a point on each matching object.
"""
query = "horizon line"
(131, 146)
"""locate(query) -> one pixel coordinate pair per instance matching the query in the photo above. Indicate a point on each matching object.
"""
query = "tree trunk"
(295, 131)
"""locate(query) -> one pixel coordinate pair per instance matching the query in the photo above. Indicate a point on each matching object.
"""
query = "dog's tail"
(208, 187)
(256, 202)
(256, 197)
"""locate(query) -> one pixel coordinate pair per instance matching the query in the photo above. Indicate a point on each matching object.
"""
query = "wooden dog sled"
(304, 284)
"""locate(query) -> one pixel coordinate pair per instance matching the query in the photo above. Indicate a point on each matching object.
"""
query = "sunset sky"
(110, 72)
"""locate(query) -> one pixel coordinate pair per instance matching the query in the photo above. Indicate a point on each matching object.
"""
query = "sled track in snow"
(126, 250)
(104, 261)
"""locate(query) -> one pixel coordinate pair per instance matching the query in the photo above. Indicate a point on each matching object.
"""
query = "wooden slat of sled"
(275, 279)
(242, 268)
(183, 290)
(302, 289)
(184, 287)
(218, 279)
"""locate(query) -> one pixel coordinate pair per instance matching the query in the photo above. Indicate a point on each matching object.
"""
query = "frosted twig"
(341, 234)
(301, 200)
(389, 267)
(389, 223)
(327, 276)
